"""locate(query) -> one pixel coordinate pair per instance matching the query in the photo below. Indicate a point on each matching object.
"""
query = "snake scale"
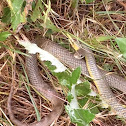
(68, 58)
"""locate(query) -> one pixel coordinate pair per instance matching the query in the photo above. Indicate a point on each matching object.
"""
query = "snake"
(102, 80)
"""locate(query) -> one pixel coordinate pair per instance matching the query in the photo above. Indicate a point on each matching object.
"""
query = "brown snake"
(66, 57)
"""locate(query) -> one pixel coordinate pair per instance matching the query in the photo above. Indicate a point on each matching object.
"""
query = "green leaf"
(121, 42)
(93, 108)
(50, 66)
(80, 116)
(17, 4)
(83, 101)
(6, 15)
(75, 75)
(49, 32)
(63, 78)
(83, 89)
(49, 25)
(103, 38)
(74, 4)
(64, 82)
(69, 96)
(16, 15)
(88, 1)
(4, 35)
(15, 21)
(36, 12)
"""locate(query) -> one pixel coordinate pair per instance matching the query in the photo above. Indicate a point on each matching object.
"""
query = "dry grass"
(83, 22)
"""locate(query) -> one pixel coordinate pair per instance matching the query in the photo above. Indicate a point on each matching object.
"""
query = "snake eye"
(78, 56)
(81, 56)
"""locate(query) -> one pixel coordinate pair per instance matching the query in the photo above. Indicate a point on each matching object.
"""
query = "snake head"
(79, 54)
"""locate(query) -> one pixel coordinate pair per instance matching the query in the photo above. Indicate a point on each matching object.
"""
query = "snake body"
(102, 81)
(68, 58)
(102, 86)
(45, 89)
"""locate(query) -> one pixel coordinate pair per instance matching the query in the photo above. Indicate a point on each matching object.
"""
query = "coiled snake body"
(103, 84)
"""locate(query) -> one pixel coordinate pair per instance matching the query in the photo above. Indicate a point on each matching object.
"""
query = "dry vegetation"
(83, 21)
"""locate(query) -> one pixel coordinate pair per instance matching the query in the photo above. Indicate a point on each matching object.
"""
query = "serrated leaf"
(122, 45)
(80, 116)
(16, 15)
(4, 35)
(50, 66)
(75, 75)
(63, 77)
(83, 89)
